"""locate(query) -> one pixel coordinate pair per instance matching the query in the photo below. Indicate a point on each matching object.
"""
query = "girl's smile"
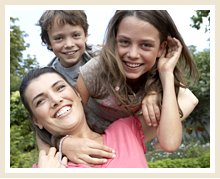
(138, 47)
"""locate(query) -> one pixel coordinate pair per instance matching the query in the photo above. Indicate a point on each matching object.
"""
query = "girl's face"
(67, 42)
(138, 45)
(55, 105)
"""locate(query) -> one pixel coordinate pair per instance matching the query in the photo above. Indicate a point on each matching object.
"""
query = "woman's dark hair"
(43, 134)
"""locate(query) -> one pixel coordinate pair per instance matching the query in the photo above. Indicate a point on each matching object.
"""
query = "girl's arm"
(82, 89)
(187, 102)
(169, 131)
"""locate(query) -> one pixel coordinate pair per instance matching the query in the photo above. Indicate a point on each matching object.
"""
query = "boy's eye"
(146, 45)
(58, 38)
(76, 35)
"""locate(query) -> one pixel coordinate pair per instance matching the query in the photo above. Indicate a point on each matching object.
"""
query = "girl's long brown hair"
(112, 74)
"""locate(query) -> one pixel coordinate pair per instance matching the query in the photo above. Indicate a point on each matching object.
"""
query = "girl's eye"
(123, 42)
(146, 45)
(59, 88)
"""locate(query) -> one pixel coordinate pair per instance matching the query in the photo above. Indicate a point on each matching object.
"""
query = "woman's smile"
(64, 111)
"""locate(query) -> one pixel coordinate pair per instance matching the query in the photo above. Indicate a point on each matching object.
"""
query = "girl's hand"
(151, 110)
(86, 151)
(50, 160)
(168, 61)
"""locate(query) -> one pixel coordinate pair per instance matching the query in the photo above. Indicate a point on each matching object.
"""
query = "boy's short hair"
(72, 17)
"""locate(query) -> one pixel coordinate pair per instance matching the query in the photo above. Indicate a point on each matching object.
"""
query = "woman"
(56, 110)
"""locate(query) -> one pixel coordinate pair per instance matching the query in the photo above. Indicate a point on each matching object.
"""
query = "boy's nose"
(69, 43)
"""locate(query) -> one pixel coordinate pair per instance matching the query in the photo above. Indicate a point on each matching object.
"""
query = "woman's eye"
(39, 102)
(60, 87)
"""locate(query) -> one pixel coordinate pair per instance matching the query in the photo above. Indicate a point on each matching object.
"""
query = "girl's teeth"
(70, 53)
(63, 111)
(133, 65)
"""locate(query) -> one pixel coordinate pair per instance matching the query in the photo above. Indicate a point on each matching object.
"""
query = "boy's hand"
(151, 110)
(50, 160)
(86, 151)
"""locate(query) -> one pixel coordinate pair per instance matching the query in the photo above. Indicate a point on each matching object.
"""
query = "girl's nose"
(133, 52)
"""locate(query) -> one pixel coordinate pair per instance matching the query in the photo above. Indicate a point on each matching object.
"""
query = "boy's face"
(67, 42)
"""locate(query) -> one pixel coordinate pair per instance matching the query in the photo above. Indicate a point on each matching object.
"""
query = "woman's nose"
(55, 100)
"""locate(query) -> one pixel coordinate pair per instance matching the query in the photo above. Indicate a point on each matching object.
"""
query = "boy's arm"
(82, 89)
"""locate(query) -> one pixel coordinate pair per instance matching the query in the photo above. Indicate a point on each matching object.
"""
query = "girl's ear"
(37, 123)
(161, 49)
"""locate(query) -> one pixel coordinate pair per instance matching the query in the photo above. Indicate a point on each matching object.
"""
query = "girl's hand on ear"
(151, 110)
(169, 58)
(50, 160)
(86, 151)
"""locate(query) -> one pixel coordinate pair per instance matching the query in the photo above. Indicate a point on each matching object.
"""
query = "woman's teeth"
(132, 65)
(63, 111)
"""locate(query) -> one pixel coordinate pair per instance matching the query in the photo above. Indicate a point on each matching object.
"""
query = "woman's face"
(55, 105)
(138, 45)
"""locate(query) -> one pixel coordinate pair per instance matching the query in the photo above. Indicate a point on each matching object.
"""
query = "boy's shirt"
(72, 73)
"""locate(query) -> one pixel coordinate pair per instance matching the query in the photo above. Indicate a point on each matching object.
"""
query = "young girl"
(143, 52)
(65, 32)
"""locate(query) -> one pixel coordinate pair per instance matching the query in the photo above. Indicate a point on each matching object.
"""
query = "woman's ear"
(37, 123)
(161, 49)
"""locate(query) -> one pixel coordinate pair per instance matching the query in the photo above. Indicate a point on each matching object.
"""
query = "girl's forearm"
(169, 131)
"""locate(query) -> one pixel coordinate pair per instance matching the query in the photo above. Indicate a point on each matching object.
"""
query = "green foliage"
(18, 66)
(191, 150)
(22, 140)
(201, 90)
(198, 19)
(201, 162)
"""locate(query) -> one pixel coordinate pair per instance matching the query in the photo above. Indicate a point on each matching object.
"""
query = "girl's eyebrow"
(54, 84)
(144, 40)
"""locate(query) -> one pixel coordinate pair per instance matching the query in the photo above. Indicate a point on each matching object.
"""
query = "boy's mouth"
(71, 53)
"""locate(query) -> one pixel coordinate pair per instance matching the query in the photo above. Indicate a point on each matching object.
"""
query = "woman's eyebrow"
(54, 84)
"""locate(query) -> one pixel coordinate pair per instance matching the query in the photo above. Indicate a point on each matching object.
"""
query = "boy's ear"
(86, 36)
(37, 123)
(162, 47)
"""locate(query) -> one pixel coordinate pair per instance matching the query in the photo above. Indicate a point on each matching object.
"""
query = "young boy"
(65, 33)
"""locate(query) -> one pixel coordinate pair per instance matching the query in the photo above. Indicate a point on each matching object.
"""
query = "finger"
(96, 153)
(93, 160)
(52, 151)
(95, 145)
(152, 116)
(64, 160)
(146, 115)
(157, 112)
(42, 153)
